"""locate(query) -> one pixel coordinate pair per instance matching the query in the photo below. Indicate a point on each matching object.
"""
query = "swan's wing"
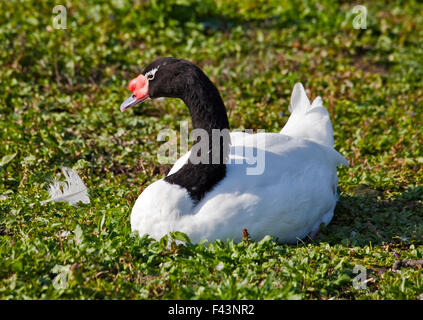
(237, 138)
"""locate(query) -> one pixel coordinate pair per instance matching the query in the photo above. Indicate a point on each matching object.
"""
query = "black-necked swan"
(293, 195)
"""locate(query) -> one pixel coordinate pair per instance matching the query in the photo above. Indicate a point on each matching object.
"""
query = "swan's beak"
(132, 101)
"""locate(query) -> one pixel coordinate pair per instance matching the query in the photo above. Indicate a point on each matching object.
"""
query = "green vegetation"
(60, 92)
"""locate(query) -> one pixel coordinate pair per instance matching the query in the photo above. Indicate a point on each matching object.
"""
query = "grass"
(60, 92)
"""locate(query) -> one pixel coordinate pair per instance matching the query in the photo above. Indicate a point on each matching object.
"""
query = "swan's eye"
(151, 74)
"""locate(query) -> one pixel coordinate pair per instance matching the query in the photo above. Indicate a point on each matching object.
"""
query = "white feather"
(73, 190)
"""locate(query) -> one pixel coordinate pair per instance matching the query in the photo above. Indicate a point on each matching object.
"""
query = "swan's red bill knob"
(137, 82)
(139, 88)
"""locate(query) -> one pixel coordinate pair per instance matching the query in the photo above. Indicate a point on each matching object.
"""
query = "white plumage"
(73, 190)
(291, 198)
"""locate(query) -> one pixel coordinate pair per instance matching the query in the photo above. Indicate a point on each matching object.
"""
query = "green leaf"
(78, 234)
(163, 242)
(177, 235)
(7, 158)
(17, 266)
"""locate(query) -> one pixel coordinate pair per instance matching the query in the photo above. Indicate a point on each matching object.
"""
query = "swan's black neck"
(206, 165)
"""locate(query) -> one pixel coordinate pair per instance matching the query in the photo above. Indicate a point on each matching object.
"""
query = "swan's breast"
(159, 207)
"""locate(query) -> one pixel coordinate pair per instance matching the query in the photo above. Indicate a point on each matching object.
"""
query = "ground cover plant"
(60, 92)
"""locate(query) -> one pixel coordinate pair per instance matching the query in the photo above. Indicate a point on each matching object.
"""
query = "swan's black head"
(163, 78)
(178, 78)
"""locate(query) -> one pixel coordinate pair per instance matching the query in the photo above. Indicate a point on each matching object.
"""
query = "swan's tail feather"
(300, 103)
(307, 120)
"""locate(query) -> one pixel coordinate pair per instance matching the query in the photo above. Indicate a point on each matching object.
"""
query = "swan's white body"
(294, 194)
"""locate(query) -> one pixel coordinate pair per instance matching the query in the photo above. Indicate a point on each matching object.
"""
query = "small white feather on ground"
(73, 190)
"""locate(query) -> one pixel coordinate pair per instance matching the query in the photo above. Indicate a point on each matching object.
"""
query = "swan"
(287, 192)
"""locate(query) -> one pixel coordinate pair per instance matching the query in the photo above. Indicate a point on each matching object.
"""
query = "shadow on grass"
(367, 218)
